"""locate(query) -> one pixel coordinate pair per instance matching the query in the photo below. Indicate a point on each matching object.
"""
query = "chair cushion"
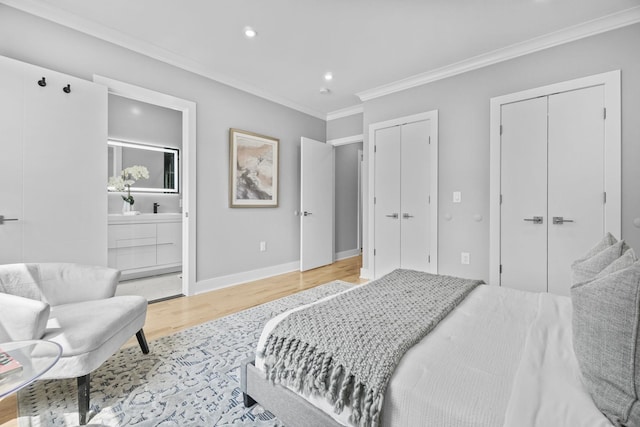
(83, 327)
(606, 322)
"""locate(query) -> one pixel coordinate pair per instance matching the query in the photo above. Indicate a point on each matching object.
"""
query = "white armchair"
(73, 305)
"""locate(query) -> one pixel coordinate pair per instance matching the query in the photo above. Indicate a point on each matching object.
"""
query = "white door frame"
(433, 191)
(613, 155)
(188, 109)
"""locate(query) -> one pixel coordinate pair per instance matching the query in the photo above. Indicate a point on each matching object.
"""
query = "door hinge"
(429, 199)
(429, 259)
(375, 148)
(500, 129)
(374, 252)
(604, 200)
(375, 200)
(429, 140)
(500, 268)
(501, 199)
(604, 114)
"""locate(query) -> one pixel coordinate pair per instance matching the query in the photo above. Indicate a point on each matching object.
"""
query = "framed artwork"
(253, 166)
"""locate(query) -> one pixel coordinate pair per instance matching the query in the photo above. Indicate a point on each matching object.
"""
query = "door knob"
(560, 220)
(305, 213)
(535, 219)
(393, 215)
(406, 216)
(3, 219)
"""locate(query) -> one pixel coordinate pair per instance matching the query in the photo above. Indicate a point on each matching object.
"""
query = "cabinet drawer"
(131, 232)
(169, 232)
(135, 257)
(169, 253)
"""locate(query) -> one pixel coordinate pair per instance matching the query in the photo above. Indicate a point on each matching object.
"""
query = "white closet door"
(415, 180)
(387, 200)
(11, 111)
(576, 180)
(524, 195)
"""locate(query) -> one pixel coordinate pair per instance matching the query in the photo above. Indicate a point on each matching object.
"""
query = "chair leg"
(83, 398)
(142, 341)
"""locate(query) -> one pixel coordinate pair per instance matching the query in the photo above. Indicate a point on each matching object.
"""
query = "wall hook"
(42, 82)
(67, 89)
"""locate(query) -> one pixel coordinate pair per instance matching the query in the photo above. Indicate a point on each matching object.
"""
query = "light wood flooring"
(168, 317)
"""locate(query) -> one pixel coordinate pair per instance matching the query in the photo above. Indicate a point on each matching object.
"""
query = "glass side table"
(36, 358)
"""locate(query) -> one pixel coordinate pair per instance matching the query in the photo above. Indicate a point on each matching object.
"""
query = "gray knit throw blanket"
(347, 348)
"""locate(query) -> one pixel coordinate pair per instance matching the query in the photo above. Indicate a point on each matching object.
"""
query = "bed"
(499, 357)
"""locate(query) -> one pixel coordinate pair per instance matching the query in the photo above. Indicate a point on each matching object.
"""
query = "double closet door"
(401, 199)
(552, 187)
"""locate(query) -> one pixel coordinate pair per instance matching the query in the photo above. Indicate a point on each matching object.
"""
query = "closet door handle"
(3, 219)
(535, 219)
(558, 220)
(406, 216)
(393, 215)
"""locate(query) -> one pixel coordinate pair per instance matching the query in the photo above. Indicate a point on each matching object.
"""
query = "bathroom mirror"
(162, 163)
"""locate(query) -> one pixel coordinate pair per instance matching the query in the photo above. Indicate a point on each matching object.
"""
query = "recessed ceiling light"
(328, 76)
(324, 91)
(250, 32)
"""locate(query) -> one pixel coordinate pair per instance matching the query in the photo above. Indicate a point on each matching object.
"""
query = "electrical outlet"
(263, 246)
(464, 257)
(457, 197)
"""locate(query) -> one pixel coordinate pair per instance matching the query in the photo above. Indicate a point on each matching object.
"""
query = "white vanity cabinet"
(145, 245)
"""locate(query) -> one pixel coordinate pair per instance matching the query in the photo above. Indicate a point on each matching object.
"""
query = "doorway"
(188, 110)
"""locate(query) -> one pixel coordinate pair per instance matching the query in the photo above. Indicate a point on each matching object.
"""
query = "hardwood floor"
(168, 317)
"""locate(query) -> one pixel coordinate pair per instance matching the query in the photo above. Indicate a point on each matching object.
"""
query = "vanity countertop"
(144, 218)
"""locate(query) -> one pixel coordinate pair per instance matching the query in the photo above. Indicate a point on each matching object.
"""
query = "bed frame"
(290, 408)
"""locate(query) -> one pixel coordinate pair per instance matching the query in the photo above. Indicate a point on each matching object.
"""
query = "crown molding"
(345, 112)
(346, 140)
(566, 35)
(102, 32)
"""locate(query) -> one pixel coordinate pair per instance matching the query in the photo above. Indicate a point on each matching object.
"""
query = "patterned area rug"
(191, 378)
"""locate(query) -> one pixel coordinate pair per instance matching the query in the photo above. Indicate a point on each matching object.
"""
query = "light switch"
(457, 197)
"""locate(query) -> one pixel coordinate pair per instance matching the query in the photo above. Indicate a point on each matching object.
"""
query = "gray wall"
(136, 121)
(346, 195)
(228, 239)
(463, 105)
(344, 126)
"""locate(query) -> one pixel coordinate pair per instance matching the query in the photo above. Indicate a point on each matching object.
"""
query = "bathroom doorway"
(164, 231)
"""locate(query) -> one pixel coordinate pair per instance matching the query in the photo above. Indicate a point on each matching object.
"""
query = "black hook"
(42, 82)
(67, 89)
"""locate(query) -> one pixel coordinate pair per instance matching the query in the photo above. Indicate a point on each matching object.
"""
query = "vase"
(126, 207)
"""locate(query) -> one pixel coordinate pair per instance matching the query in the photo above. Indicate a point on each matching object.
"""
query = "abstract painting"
(253, 166)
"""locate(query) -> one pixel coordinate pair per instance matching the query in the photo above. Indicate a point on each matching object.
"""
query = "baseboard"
(246, 276)
(347, 254)
(365, 274)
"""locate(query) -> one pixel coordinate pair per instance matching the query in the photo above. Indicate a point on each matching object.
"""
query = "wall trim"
(586, 29)
(350, 253)
(244, 277)
(346, 140)
(345, 112)
(118, 38)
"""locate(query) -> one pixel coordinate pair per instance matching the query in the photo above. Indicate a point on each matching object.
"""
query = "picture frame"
(253, 170)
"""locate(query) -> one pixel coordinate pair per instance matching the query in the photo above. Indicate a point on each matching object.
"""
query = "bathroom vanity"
(146, 244)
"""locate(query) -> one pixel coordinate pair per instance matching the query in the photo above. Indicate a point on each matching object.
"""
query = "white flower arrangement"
(126, 179)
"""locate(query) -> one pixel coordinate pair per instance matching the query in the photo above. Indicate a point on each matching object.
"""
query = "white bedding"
(502, 358)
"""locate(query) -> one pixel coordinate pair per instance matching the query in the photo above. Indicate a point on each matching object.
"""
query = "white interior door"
(415, 186)
(523, 188)
(576, 180)
(316, 204)
(11, 112)
(387, 200)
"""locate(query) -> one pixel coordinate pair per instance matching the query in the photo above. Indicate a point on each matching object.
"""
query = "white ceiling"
(365, 43)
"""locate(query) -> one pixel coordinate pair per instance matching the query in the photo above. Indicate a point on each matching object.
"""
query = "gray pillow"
(606, 320)
(626, 260)
(603, 244)
(587, 268)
